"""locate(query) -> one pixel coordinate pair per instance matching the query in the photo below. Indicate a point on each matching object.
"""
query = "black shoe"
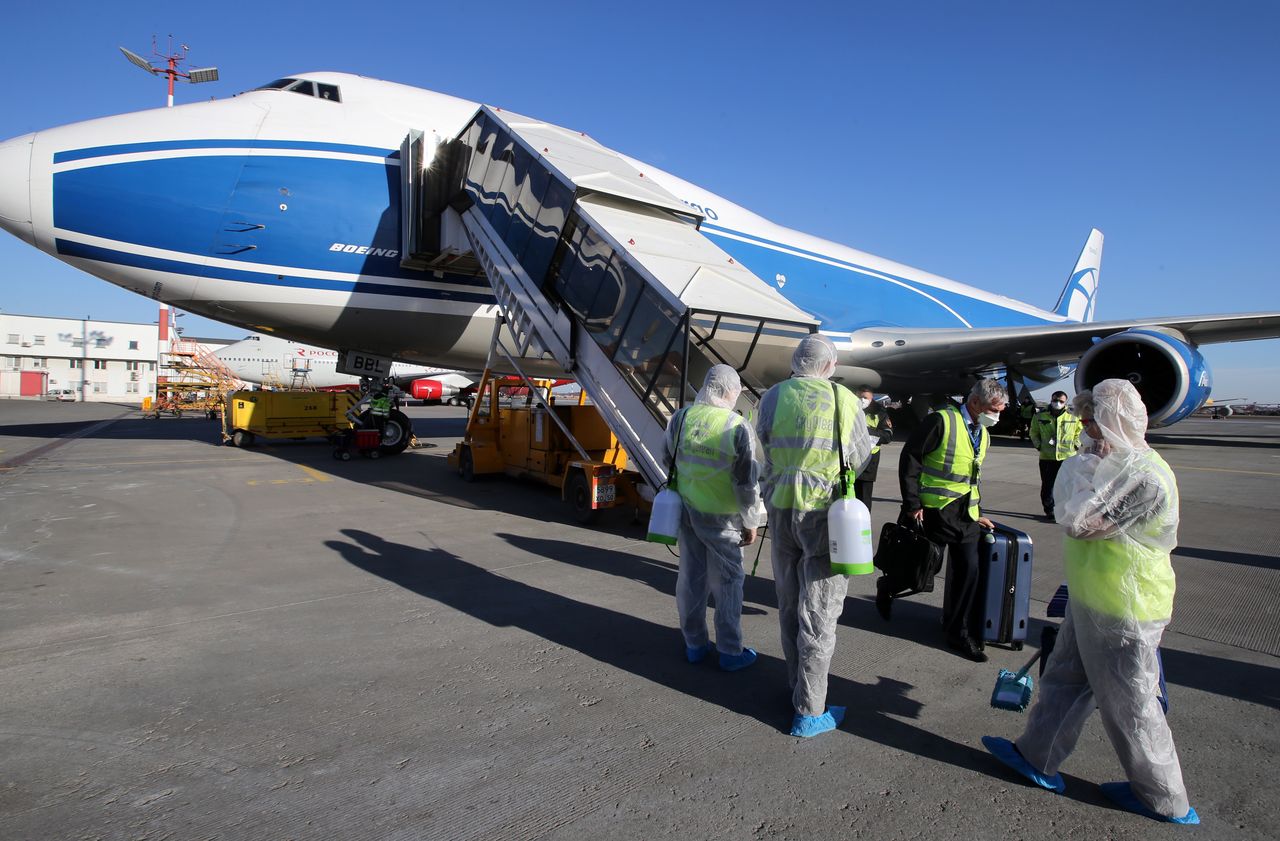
(884, 598)
(968, 648)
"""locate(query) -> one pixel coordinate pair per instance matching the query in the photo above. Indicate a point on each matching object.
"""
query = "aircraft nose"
(15, 187)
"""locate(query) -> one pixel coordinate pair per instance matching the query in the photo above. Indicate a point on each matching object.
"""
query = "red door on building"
(33, 383)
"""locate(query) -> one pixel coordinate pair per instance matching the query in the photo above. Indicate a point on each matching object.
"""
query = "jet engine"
(1169, 373)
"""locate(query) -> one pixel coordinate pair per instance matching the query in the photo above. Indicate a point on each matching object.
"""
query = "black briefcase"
(908, 558)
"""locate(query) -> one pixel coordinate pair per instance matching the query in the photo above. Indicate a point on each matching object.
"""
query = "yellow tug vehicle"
(524, 429)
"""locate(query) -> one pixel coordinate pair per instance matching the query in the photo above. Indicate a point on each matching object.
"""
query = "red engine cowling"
(426, 390)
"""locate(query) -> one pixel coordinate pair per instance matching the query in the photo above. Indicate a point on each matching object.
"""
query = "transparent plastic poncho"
(1119, 509)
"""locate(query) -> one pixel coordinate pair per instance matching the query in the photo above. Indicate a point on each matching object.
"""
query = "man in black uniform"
(938, 474)
(880, 429)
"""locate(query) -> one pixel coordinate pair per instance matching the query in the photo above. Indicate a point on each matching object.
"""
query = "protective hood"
(721, 387)
(815, 356)
(1120, 414)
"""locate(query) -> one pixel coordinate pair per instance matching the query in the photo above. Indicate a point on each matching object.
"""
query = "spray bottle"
(849, 529)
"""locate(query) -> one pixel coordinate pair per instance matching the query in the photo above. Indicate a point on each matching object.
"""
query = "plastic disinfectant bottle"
(664, 519)
(849, 528)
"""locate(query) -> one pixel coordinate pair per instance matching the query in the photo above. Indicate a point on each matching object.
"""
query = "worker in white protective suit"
(1117, 501)
(717, 475)
(804, 424)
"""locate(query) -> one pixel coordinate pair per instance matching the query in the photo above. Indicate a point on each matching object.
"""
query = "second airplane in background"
(270, 360)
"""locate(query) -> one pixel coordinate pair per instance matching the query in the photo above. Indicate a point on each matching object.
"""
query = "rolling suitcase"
(1004, 559)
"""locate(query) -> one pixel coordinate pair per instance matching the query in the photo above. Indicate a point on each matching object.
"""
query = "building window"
(11, 362)
(99, 364)
(76, 363)
(151, 366)
(39, 340)
(98, 388)
(132, 366)
(39, 362)
(133, 345)
(131, 388)
(13, 338)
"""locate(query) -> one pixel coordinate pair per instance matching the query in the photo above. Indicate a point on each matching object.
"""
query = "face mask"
(1057, 405)
(866, 401)
(989, 419)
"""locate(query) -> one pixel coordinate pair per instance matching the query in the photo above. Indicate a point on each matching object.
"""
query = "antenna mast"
(171, 59)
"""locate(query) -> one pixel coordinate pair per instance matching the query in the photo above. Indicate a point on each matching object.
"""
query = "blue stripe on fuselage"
(847, 296)
(214, 204)
(68, 248)
(221, 200)
(170, 145)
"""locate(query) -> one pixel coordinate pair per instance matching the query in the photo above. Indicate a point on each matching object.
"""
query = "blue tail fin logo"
(1079, 297)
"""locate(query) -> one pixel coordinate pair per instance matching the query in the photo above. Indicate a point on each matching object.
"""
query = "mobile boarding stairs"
(600, 274)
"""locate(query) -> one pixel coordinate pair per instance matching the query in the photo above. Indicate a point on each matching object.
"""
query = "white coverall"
(1118, 504)
(710, 550)
(810, 596)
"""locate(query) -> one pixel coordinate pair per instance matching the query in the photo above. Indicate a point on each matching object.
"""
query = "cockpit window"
(306, 87)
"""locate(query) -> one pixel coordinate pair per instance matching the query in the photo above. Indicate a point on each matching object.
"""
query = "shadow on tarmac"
(912, 620)
(652, 651)
(46, 430)
(1245, 441)
(1242, 558)
(647, 649)
(1245, 681)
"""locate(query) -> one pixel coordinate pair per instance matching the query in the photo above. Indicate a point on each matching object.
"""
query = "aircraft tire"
(400, 430)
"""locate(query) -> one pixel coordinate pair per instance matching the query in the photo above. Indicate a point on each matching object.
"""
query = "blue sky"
(980, 141)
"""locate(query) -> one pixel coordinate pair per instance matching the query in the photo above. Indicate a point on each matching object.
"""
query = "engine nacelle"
(424, 389)
(1171, 376)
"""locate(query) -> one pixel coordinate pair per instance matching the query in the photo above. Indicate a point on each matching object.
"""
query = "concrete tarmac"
(199, 641)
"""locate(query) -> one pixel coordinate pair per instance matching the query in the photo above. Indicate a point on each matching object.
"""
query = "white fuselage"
(282, 210)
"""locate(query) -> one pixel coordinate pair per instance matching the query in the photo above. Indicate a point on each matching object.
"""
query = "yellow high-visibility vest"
(951, 469)
(1063, 431)
(804, 465)
(1120, 577)
(873, 422)
(704, 458)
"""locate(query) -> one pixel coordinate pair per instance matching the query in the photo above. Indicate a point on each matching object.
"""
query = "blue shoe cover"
(1005, 751)
(696, 654)
(734, 662)
(1122, 795)
(807, 726)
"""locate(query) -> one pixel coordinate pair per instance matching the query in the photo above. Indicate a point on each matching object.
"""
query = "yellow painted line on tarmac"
(1223, 470)
(311, 478)
(315, 474)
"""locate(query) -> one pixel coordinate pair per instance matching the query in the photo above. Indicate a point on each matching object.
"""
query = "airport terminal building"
(78, 359)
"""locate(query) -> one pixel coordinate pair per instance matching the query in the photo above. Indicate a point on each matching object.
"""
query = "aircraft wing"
(912, 353)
